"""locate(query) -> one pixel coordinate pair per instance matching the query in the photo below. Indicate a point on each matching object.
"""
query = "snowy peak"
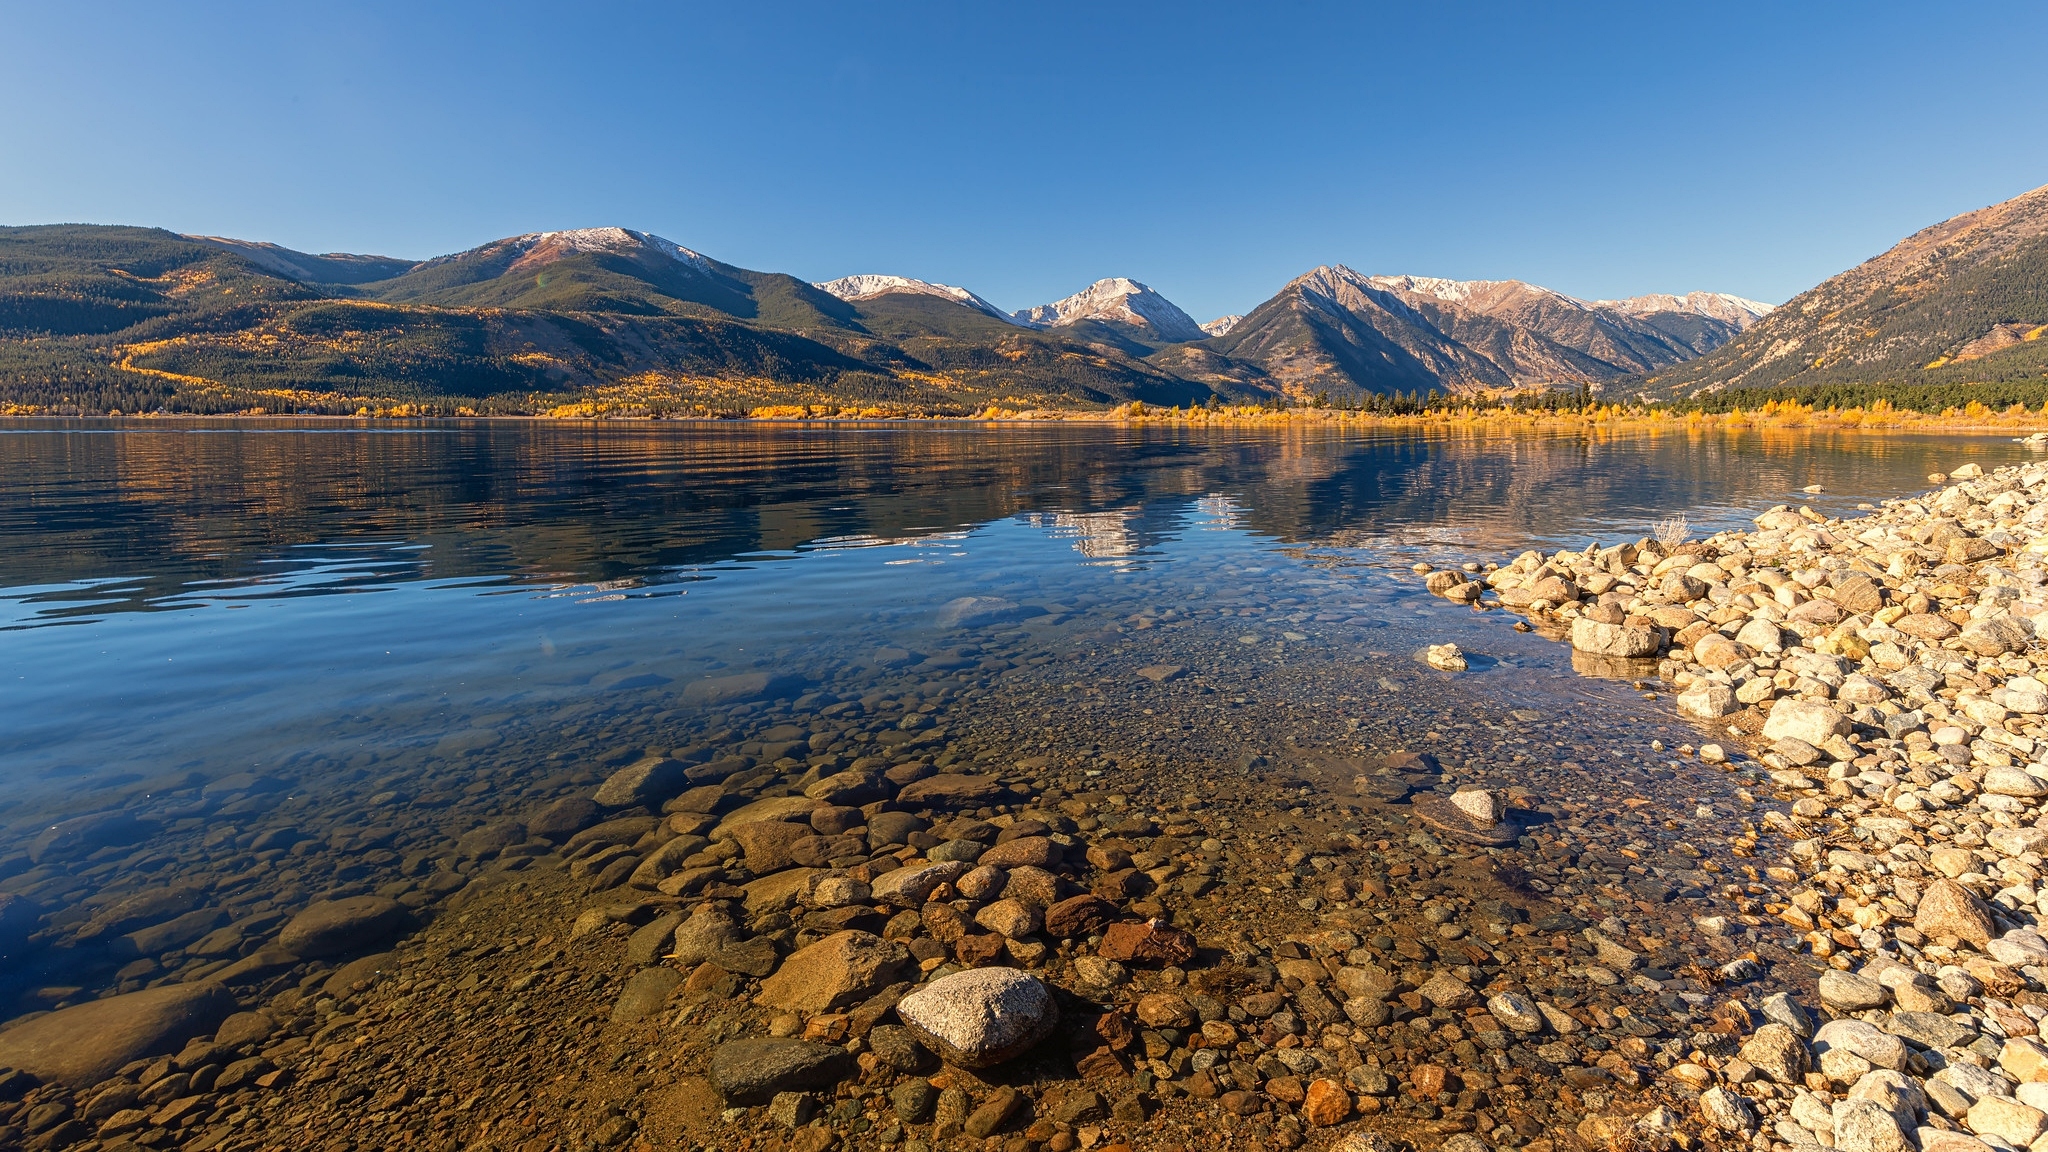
(1332, 282)
(1493, 297)
(1117, 300)
(539, 249)
(867, 287)
(1221, 325)
(1715, 305)
(1478, 295)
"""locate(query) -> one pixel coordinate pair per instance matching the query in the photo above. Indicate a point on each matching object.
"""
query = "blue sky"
(1024, 151)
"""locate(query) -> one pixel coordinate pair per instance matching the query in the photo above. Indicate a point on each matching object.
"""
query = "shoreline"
(2033, 425)
(1886, 672)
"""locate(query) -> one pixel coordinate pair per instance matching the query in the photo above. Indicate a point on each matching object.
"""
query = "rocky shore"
(864, 907)
(1886, 671)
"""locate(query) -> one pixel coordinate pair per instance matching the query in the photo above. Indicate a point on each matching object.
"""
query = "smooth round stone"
(333, 926)
(1516, 1011)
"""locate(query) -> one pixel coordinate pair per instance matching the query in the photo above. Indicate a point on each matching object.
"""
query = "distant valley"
(616, 321)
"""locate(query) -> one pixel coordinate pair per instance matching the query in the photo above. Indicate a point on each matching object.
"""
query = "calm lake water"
(413, 628)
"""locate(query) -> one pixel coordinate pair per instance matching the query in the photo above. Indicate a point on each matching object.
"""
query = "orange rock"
(1286, 1089)
(1428, 1080)
(1327, 1104)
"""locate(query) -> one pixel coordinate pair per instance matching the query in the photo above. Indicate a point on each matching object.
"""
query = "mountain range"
(94, 318)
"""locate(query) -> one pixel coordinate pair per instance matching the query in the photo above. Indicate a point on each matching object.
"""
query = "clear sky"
(1024, 151)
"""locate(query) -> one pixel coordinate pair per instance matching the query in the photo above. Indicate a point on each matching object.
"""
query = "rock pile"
(1887, 670)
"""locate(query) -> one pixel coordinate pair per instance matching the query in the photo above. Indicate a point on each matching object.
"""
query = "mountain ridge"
(635, 321)
(1904, 316)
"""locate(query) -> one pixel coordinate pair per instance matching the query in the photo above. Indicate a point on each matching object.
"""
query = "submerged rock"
(334, 926)
(82, 1045)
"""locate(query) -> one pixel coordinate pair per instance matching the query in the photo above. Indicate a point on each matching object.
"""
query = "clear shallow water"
(215, 599)
(362, 643)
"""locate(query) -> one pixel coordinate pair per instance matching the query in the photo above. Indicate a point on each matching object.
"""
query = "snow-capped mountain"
(1333, 326)
(537, 249)
(1722, 306)
(1117, 300)
(1221, 325)
(867, 287)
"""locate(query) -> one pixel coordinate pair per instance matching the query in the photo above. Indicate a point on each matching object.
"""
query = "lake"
(260, 666)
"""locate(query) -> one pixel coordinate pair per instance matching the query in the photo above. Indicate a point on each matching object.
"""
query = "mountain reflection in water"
(103, 516)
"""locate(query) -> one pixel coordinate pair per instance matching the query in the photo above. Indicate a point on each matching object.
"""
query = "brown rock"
(1013, 919)
(1165, 1010)
(1031, 851)
(1079, 916)
(1149, 943)
(911, 887)
(1925, 626)
(952, 790)
(1327, 1104)
(1286, 1089)
(1101, 1064)
(768, 844)
(1033, 885)
(908, 773)
(1949, 909)
(993, 1113)
(333, 926)
(1260, 1005)
(1108, 859)
(1123, 884)
(1817, 612)
(564, 818)
(87, 1043)
(979, 949)
(842, 969)
(1969, 550)
(945, 923)
(1427, 1080)
(1859, 593)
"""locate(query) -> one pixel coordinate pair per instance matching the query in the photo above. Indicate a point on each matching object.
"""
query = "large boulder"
(981, 1017)
(1708, 700)
(715, 690)
(645, 993)
(952, 790)
(565, 818)
(87, 1043)
(753, 1071)
(1621, 640)
(707, 932)
(1807, 720)
(1997, 635)
(767, 843)
(82, 834)
(839, 970)
(1948, 909)
(981, 611)
(335, 926)
(908, 887)
(773, 808)
(778, 891)
(647, 781)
